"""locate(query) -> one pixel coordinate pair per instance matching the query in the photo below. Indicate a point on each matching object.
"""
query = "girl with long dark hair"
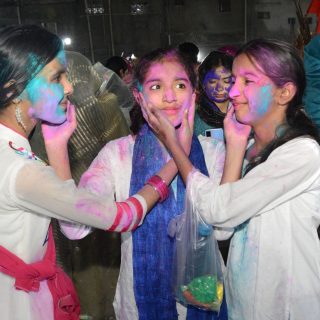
(273, 264)
(33, 88)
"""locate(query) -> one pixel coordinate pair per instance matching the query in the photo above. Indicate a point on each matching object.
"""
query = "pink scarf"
(28, 276)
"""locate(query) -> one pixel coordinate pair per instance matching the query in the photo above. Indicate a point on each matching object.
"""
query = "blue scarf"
(152, 247)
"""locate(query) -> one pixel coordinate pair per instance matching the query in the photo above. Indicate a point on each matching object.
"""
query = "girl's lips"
(63, 105)
(220, 96)
(171, 110)
(236, 107)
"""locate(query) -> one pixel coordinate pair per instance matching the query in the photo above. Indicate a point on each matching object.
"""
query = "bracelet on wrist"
(160, 186)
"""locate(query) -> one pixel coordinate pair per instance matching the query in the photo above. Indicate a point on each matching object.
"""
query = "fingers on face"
(150, 117)
(142, 100)
(192, 110)
(230, 112)
(71, 112)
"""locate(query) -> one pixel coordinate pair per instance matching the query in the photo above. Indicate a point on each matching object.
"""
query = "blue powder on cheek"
(264, 99)
(228, 88)
(40, 91)
(34, 66)
(34, 89)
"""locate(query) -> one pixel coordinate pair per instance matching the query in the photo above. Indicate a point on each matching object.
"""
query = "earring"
(18, 114)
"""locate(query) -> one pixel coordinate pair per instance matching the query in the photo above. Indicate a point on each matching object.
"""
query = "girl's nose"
(219, 87)
(234, 91)
(68, 88)
(169, 95)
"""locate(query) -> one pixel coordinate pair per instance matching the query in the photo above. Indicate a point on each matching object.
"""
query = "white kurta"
(273, 269)
(30, 194)
(109, 173)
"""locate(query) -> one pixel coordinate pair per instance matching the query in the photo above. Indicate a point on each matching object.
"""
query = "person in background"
(214, 84)
(215, 81)
(191, 50)
(121, 67)
(230, 50)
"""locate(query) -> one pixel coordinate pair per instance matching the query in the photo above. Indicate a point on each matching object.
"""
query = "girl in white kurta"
(165, 79)
(34, 87)
(273, 269)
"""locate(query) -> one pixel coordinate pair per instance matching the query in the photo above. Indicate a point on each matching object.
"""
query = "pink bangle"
(160, 186)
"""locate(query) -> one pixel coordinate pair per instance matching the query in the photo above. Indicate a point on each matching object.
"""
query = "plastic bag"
(197, 272)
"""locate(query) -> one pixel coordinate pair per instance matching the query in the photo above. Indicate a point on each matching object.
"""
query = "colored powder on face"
(265, 99)
(45, 98)
(61, 57)
(33, 64)
(213, 89)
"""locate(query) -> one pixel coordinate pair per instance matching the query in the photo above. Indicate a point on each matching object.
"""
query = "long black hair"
(282, 64)
(24, 51)
(142, 69)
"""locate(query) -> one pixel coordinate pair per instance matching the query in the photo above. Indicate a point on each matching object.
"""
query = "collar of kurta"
(8, 134)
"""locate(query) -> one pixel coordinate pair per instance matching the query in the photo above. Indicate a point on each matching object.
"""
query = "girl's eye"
(57, 78)
(227, 80)
(155, 87)
(248, 81)
(213, 81)
(181, 86)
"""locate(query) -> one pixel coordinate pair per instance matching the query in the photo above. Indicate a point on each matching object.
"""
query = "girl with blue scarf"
(165, 79)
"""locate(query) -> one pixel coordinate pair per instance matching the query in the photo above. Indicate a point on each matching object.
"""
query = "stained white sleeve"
(97, 179)
(215, 153)
(37, 189)
(289, 170)
(109, 174)
(73, 230)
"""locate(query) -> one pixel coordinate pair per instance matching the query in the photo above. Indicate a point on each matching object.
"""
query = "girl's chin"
(54, 120)
(176, 123)
(219, 100)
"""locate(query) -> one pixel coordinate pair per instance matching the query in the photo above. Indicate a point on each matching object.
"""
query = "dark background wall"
(115, 29)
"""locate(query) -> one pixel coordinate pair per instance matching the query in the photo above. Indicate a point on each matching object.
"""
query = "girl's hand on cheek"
(143, 105)
(185, 131)
(60, 133)
(161, 126)
(235, 132)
